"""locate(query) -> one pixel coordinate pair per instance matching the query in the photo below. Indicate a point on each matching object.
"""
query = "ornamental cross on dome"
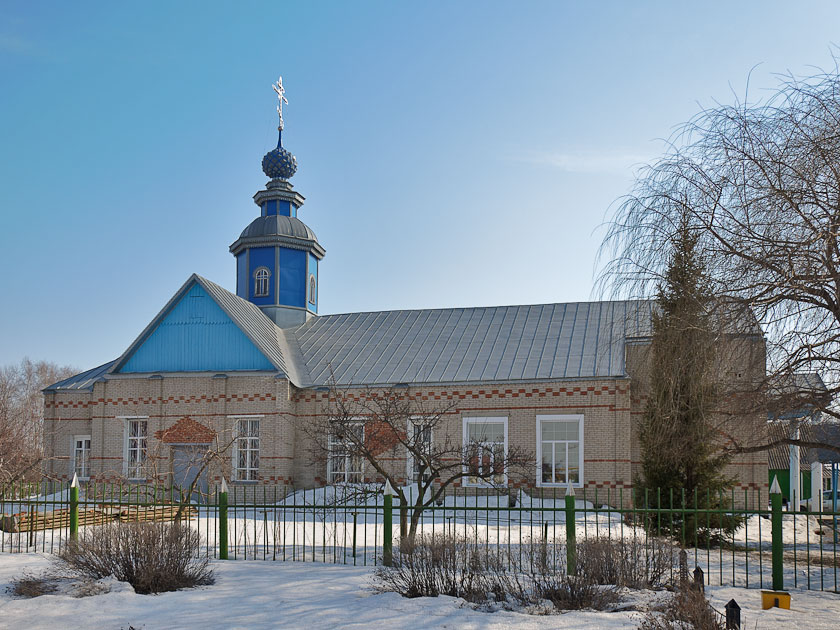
(281, 98)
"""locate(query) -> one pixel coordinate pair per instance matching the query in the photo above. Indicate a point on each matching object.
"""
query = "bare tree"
(759, 183)
(22, 415)
(399, 437)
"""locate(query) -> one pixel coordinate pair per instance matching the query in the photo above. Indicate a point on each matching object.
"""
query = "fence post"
(733, 615)
(571, 543)
(387, 548)
(74, 507)
(223, 521)
(776, 533)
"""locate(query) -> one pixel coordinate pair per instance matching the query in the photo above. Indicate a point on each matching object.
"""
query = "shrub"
(632, 562)
(32, 586)
(527, 575)
(687, 609)
(152, 557)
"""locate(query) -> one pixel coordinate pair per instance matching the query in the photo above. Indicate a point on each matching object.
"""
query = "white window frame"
(74, 459)
(413, 424)
(259, 280)
(467, 420)
(236, 471)
(348, 458)
(127, 468)
(560, 418)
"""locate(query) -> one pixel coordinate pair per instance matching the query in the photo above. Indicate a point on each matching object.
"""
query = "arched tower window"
(261, 277)
(312, 289)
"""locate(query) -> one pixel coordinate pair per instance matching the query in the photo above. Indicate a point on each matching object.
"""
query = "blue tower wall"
(196, 336)
(313, 271)
(242, 275)
(278, 206)
(292, 273)
(262, 257)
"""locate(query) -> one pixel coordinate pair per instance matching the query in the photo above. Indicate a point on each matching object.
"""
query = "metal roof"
(489, 344)
(278, 224)
(456, 345)
(83, 380)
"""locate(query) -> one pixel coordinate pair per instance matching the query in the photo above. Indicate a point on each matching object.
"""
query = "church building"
(245, 368)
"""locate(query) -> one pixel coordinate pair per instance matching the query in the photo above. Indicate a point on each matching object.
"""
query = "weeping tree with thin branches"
(759, 183)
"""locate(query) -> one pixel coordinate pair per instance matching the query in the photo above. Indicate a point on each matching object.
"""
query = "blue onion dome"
(279, 163)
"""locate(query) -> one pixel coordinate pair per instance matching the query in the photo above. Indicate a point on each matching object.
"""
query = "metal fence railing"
(736, 540)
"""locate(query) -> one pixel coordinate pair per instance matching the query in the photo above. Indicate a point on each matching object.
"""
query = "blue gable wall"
(196, 336)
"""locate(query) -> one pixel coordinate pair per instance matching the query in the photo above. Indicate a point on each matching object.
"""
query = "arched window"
(312, 289)
(261, 276)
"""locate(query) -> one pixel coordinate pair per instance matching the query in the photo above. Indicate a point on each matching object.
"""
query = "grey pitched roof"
(489, 344)
(82, 380)
(456, 345)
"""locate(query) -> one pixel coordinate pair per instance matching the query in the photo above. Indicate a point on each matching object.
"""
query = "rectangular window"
(420, 438)
(560, 450)
(136, 432)
(81, 456)
(247, 450)
(345, 464)
(485, 450)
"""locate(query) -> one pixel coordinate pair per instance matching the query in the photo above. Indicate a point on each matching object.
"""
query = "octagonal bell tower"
(277, 255)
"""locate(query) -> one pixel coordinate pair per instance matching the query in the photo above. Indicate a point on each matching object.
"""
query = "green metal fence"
(355, 525)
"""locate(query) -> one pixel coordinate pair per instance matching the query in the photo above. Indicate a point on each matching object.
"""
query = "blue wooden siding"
(196, 336)
(292, 272)
(313, 271)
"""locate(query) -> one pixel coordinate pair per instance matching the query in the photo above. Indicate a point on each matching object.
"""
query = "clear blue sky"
(451, 154)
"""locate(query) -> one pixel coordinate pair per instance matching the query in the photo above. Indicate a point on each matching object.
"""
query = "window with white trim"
(136, 436)
(559, 450)
(485, 450)
(81, 456)
(261, 277)
(246, 454)
(420, 439)
(345, 464)
(312, 287)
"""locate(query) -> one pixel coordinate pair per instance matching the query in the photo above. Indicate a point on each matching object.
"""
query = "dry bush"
(631, 562)
(574, 593)
(152, 557)
(32, 586)
(458, 566)
(447, 565)
(687, 609)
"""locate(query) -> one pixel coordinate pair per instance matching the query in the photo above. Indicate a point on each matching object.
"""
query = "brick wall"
(190, 409)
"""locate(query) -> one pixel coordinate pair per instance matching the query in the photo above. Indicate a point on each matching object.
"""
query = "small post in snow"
(387, 544)
(74, 507)
(776, 534)
(223, 521)
(571, 543)
(733, 615)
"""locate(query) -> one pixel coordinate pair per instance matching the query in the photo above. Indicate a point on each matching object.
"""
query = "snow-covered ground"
(257, 594)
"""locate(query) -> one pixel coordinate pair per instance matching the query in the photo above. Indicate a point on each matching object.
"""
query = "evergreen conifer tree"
(681, 465)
